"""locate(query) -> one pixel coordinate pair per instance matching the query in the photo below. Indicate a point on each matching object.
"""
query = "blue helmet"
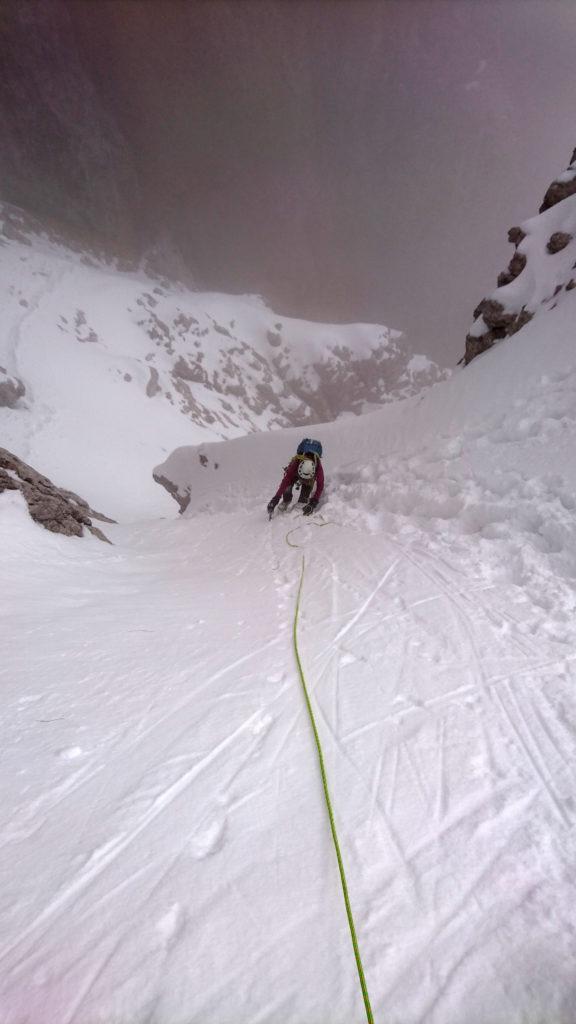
(308, 446)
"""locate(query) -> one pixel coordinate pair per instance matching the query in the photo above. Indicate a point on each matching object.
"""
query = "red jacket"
(291, 475)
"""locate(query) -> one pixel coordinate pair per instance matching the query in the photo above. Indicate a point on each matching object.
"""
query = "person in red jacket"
(304, 471)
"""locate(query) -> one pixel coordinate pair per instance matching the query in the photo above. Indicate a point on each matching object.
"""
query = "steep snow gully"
(164, 849)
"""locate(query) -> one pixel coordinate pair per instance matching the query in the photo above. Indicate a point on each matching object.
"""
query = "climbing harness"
(357, 957)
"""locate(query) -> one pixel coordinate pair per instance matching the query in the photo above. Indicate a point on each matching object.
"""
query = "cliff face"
(62, 156)
(542, 267)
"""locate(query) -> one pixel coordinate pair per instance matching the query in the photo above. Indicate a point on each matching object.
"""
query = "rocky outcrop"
(561, 187)
(183, 499)
(54, 508)
(537, 243)
(11, 390)
(558, 240)
(516, 235)
(515, 267)
(499, 324)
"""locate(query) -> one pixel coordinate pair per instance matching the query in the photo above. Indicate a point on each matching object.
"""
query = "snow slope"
(541, 270)
(164, 850)
(103, 373)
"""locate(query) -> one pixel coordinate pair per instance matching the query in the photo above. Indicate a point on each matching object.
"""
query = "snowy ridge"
(541, 271)
(125, 367)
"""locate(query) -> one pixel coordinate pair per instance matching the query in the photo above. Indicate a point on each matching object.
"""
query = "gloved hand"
(272, 505)
(309, 508)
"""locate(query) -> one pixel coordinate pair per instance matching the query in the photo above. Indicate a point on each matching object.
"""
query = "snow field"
(165, 856)
(197, 880)
(439, 631)
(462, 735)
(193, 842)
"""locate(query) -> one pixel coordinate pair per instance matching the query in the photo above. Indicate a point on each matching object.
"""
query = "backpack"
(307, 444)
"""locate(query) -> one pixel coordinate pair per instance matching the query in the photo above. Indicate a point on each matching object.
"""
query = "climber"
(304, 471)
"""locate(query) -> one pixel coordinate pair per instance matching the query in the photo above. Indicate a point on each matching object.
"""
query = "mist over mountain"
(62, 156)
(333, 157)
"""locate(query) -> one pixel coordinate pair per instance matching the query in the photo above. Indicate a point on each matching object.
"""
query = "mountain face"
(103, 372)
(161, 824)
(542, 268)
(298, 150)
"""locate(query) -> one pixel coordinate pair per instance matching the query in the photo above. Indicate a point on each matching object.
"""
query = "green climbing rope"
(349, 915)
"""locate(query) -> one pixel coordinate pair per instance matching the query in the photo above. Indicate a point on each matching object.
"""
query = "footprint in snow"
(171, 925)
(261, 725)
(208, 839)
(70, 753)
(276, 677)
(347, 658)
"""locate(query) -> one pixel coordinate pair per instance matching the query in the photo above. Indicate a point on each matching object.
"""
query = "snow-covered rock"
(562, 186)
(11, 390)
(540, 271)
(54, 508)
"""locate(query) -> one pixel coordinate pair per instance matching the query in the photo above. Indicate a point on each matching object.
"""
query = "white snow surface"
(544, 271)
(120, 368)
(165, 854)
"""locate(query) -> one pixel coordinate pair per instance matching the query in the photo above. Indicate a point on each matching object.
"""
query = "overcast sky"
(349, 160)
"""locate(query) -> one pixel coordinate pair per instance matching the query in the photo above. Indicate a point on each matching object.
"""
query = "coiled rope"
(349, 915)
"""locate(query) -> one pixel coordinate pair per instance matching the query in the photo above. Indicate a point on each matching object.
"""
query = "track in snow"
(164, 847)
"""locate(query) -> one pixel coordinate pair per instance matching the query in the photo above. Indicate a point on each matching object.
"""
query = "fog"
(350, 161)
